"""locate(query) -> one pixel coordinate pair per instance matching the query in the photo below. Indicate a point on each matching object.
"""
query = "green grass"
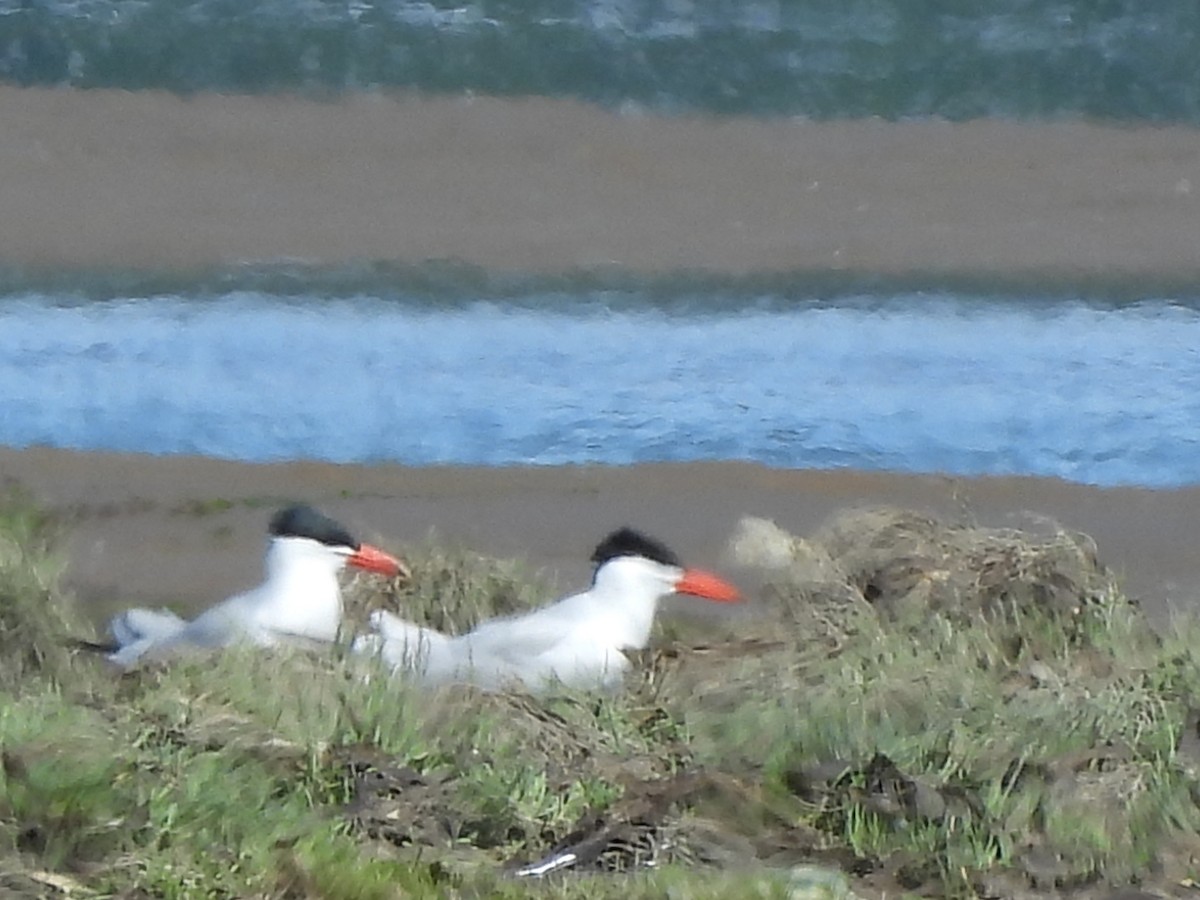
(33, 615)
(1018, 726)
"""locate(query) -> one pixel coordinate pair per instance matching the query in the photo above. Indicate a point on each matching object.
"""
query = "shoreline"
(187, 531)
(153, 181)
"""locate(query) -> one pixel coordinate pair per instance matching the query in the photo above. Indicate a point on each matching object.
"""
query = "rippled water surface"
(965, 384)
(821, 58)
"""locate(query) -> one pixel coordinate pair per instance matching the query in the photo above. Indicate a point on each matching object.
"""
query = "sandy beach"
(151, 180)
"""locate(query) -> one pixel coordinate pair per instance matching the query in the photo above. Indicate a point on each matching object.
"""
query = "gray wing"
(135, 625)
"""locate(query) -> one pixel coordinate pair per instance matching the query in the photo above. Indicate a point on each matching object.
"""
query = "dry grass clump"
(901, 559)
(902, 565)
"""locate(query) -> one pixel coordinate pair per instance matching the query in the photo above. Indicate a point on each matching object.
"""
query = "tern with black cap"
(578, 641)
(298, 602)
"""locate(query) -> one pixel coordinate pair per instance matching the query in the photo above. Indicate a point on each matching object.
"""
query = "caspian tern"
(299, 602)
(577, 642)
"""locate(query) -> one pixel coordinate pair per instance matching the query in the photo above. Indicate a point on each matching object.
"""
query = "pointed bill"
(372, 559)
(698, 583)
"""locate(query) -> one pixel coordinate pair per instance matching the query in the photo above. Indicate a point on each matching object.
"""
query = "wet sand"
(184, 532)
(150, 180)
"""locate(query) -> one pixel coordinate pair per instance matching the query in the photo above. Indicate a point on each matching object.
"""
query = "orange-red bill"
(372, 559)
(699, 583)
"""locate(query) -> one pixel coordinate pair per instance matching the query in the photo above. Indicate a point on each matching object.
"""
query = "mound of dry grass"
(899, 559)
(898, 565)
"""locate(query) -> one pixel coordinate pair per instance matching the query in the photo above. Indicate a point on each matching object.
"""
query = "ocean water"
(551, 373)
(1119, 59)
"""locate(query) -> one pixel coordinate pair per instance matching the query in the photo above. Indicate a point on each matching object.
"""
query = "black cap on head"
(305, 522)
(627, 542)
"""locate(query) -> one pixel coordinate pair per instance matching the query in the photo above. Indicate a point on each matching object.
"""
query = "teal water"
(1107, 59)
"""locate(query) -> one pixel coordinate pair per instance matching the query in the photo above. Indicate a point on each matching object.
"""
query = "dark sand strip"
(149, 529)
(150, 180)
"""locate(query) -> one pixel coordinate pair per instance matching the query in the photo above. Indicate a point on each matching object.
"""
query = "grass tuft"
(34, 618)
